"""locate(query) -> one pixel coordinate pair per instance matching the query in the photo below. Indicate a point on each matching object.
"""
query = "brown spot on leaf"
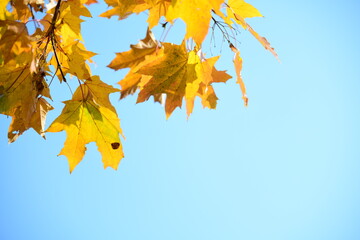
(115, 145)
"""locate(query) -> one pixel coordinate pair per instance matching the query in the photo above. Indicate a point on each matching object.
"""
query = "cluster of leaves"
(55, 48)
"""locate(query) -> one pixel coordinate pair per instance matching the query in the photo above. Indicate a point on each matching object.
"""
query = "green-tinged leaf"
(89, 117)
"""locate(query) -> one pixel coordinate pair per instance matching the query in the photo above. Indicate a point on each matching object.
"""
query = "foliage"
(42, 40)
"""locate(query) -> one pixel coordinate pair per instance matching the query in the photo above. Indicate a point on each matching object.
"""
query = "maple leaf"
(134, 59)
(196, 14)
(19, 91)
(178, 74)
(158, 8)
(67, 20)
(73, 59)
(168, 73)
(124, 8)
(37, 120)
(136, 54)
(238, 67)
(89, 117)
(76, 60)
(242, 9)
(206, 75)
(14, 41)
(206, 90)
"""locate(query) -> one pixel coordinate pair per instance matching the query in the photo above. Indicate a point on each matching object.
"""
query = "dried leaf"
(14, 42)
(238, 67)
(263, 42)
(237, 11)
(37, 120)
(136, 54)
(19, 99)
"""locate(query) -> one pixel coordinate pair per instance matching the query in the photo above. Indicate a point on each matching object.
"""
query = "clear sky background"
(287, 167)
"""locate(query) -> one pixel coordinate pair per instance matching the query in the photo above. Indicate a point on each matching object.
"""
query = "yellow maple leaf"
(169, 74)
(178, 74)
(134, 59)
(158, 8)
(242, 9)
(37, 120)
(196, 14)
(68, 24)
(76, 59)
(124, 8)
(14, 42)
(19, 91)
(136, 54)
(73, 59)
(77, 8)
(90, 117)
(206, 91)
(206, 75)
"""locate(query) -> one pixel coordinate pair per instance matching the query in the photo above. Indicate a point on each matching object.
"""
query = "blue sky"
(284, 168)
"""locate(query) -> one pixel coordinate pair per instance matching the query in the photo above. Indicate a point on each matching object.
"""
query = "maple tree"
(53, 47)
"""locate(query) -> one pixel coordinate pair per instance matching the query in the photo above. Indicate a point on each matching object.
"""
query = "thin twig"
(53, 76)
(225, 33)
(33, 16)
(56, 57)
